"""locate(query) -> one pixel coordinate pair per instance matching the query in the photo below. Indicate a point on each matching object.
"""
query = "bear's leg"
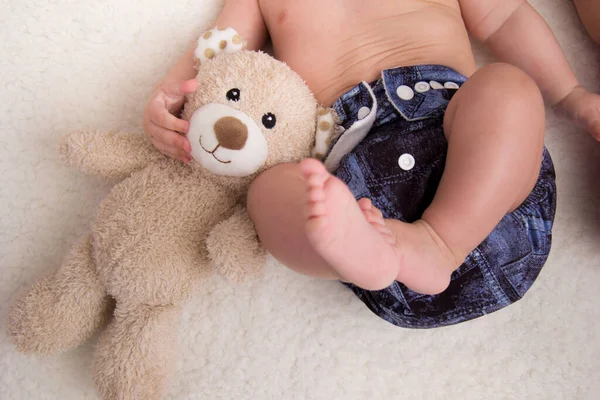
(135, 355)
(61, 310)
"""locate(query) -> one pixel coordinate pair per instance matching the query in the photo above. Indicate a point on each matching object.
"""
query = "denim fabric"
(395, 124)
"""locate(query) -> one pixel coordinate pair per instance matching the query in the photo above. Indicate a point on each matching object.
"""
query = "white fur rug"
(69, 64)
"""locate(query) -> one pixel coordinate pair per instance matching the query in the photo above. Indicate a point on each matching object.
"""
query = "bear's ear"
(217, 41)
(326, 121)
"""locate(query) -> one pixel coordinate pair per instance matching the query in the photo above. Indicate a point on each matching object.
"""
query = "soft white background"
(69, 64)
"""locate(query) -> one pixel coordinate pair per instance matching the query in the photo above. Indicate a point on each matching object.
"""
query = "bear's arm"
(233, 247)
(110, 155)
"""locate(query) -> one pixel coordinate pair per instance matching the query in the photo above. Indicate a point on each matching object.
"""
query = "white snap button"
(406, 162)
(363, 112)
(405, 93)
(436, 85)
(451, 85)
(422, 87)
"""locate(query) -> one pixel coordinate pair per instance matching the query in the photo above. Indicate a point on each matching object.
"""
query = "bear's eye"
(269, 120)
(233, 95)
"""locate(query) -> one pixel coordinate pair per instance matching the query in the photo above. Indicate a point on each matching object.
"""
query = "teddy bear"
(166, 226)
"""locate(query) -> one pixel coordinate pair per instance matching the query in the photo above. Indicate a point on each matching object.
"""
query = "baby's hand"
(160, 123)
(583, 108)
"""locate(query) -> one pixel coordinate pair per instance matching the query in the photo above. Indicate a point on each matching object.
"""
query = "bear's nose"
(231, 133)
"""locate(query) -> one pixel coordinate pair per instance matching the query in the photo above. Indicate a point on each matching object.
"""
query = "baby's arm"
(517, 34)
(160, 121)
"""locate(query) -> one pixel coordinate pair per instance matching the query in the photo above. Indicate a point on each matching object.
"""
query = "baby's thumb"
(180, 89)
(189, 86)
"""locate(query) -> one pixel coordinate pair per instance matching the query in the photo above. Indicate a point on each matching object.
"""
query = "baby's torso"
(336, 44)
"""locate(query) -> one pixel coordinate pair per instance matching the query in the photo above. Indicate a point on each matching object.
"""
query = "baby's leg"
(589, 13)
(290, 220)
(495, 130)
(309, 220)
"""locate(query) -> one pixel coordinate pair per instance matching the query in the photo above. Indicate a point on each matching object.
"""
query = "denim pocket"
(467, 294)
(401, 192)
(496, 274)
(524, 270)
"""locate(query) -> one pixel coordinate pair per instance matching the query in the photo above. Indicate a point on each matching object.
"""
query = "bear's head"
(250, 112)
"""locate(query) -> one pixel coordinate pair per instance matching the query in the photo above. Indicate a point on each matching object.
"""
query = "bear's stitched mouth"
(212, 153)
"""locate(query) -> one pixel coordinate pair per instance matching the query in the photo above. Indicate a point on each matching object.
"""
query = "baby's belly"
(336, 45)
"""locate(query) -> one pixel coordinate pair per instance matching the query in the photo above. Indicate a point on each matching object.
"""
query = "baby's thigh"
(499, 96)
(589, 13)
(495, 126)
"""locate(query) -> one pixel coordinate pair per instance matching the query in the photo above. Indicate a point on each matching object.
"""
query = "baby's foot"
(427, 262)
(366, 249)
(375, 218)
(353, 240)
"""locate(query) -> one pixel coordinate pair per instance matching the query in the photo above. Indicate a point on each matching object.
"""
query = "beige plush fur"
(162, 229)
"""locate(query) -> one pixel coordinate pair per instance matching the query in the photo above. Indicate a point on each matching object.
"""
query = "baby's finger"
(163, 118)
(169, 138)
(189, 86)
(163, 148)
(180, 89)
(171, 151)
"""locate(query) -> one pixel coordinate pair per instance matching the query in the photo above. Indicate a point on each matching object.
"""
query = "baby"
(436, 200)
(589, 12)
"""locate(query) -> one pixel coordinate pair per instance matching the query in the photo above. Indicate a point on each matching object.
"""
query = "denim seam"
(416, 107)
(414, 173)
(485, 268)
(457, 313)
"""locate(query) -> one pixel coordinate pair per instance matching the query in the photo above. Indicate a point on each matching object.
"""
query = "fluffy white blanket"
(69, 64)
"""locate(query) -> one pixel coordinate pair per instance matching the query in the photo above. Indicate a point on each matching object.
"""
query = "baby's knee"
(508, 80)
(510, 90)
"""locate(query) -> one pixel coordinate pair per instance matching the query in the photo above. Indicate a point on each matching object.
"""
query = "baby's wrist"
(568, 104)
